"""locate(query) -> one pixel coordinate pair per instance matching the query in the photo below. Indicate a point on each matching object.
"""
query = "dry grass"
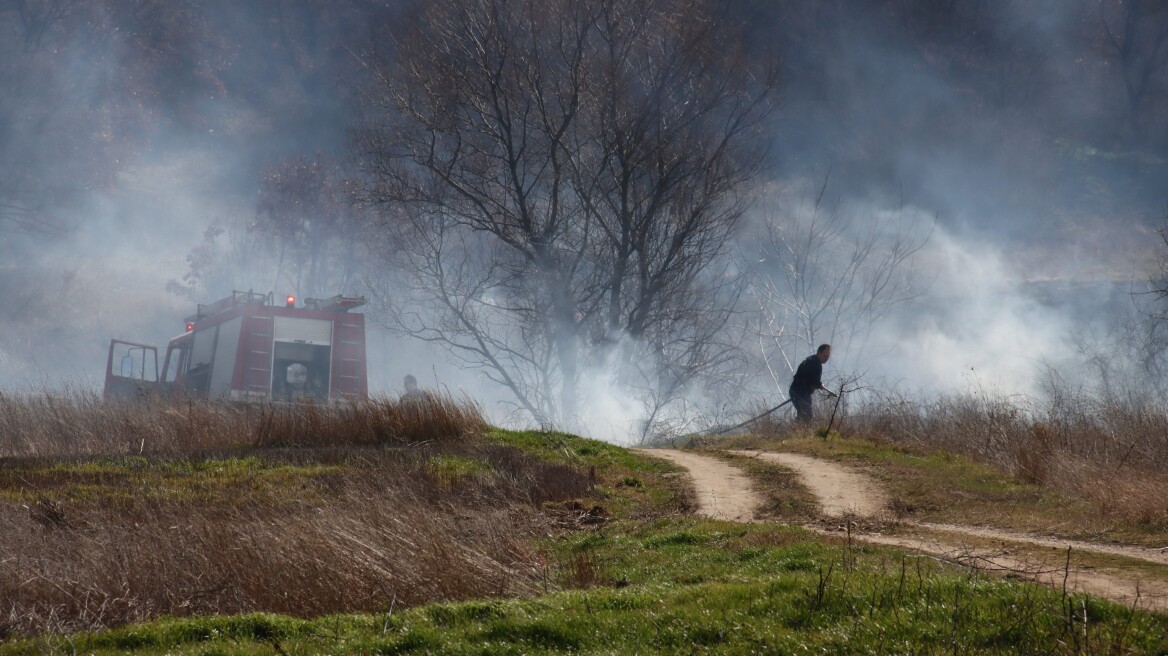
(1111, 452)
(297, 510)
(49, 426)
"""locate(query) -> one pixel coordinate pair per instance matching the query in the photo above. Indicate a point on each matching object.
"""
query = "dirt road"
(841, 491)
(725, 492)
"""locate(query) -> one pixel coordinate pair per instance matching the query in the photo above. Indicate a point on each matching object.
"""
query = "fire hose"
(753, 419)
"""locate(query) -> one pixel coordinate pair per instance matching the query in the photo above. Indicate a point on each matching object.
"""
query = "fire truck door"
(131, 371)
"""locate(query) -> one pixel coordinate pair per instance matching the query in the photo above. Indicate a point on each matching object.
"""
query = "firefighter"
(412, 392)
(808, 378)
(296, 379)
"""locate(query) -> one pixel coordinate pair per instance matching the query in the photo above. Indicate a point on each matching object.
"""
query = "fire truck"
(246, 347)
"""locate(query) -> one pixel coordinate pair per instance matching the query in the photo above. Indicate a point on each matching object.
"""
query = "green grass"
(450, 470)
(632, 484)
(653, 580)
(686, 585)
(206, 480)
(579, 451)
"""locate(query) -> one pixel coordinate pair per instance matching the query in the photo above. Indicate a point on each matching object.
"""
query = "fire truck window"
(136, 362)
(170, 371)
(300, 372)
(223, 366)
(202, 353)
(204, 348)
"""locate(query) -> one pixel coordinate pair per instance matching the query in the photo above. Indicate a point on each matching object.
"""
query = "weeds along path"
(725, 492)
(844, 491)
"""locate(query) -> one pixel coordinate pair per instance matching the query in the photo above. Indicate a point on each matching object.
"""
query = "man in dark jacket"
(808, 378)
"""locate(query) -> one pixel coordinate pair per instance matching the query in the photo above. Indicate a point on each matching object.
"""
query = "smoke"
(981, 324)
(1005, 122)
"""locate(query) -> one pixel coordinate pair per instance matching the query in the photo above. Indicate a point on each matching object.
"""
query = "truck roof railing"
(338, 303)
(237, 298)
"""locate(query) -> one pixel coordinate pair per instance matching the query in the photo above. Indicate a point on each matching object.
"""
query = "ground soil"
(854, 505)
(724, 491)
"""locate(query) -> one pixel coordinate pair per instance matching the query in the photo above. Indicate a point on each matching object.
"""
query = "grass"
(784, 497)
(927, 484)
(478, 541)
(616, 471)
(685, 585)
(120, 480)
(320, 518)
(1108, 452)
(933, 485)
(80, 425)
(935, 480)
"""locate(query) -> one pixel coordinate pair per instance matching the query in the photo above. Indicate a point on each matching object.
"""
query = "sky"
(1011, 135)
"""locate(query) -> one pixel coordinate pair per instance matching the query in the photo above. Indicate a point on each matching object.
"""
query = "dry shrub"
(383, 527)
(1125, 497)
(770, 424)
(582, 569)
(80, 424)
(1108, 450)
(1034, 453)
(1005, 430)
(377, 421)
(357, 555)
(392, 533)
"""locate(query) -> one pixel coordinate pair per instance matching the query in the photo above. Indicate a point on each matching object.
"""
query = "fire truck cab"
(246, 347)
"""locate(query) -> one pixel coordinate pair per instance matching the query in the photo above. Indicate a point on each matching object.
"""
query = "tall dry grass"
(1110, 450)
(80, 424)
(377, 527)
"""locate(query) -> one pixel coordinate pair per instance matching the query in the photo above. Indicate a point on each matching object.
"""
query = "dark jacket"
(808, 377)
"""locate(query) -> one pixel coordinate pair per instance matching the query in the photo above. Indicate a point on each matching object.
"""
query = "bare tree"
(304, 238)
(1133, 353)
(590, 152)
(824, 274)
(54, 145)
(306, 219)
(1136, 32)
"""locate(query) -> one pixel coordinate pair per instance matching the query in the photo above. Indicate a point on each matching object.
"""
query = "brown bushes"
(358, 554)
(1109, 451)
(48, 426)
(319, 524)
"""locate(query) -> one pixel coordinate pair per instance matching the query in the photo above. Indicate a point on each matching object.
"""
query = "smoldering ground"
(1005, 130)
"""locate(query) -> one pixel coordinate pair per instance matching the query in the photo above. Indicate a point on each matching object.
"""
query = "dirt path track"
(844, 491)
(841, 491)
(725, 492)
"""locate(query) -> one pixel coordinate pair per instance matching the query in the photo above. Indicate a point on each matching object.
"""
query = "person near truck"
(808, 378)
(412, 393)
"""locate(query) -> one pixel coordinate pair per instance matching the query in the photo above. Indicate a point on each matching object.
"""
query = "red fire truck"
(247, 347)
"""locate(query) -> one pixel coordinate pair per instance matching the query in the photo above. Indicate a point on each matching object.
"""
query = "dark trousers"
(802, 403)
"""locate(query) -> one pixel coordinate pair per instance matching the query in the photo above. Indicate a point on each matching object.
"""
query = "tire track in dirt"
(843, 491)
(725, 492)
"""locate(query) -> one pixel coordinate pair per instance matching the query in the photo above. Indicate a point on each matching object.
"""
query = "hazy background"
(1008, 134)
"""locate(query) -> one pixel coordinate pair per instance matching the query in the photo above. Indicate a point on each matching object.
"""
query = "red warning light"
(190, 326)
(291, 301)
